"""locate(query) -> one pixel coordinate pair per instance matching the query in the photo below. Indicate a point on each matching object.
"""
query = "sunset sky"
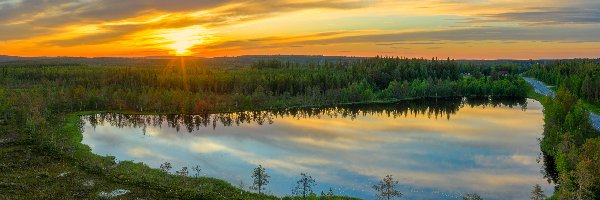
(469, 29)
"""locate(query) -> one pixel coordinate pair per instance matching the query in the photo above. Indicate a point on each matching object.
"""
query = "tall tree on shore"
(471, 196)
(330, 193)
(386, 188)
(304, 185)
(166, 167)
(198, 171)
(261, 178)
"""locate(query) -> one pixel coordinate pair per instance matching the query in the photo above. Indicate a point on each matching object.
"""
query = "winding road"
(540, 87)
(545, 90)
(595, 120)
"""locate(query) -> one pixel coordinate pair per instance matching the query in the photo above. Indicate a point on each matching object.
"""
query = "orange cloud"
(478, 29)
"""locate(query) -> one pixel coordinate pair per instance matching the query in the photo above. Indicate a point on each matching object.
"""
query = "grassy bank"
(70, 170)
(34, 171)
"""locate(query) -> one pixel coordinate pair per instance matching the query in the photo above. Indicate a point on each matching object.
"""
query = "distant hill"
(221, 62)
(5, 58)
(229, 62)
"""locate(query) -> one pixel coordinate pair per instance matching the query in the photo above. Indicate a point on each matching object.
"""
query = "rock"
(114, 193)
(6, 141)
(89, 183)
(63, 174)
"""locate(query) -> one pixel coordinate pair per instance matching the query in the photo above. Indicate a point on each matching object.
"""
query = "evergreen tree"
(471, 196)
(261, 179)
(537, 193)
(304, 185)
(386, 188)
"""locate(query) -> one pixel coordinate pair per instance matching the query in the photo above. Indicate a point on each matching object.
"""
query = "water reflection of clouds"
(142, 152)
(504, 161)
(491, 151)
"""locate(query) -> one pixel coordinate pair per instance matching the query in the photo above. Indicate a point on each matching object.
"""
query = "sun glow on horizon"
(179, 41)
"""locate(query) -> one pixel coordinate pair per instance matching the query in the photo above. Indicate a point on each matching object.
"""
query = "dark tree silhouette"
(330, 193)
(197, 171)
(166, 167)
(182, 172)
(261, 179)
(304, 185)
(386, 188)
(471, 196)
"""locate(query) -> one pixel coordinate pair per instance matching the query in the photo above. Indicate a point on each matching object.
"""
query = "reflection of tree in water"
(549, 170)
(437, 108)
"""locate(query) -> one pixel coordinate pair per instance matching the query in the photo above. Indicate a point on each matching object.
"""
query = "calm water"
(436, 149)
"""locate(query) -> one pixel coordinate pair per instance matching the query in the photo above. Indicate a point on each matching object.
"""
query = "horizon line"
(274, 55)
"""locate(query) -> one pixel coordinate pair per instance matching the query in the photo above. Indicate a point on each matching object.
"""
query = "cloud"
(142, 152)
(545, 16)
(548, 34)
(546, 12)
(407, 43)
(96, 10)
(497, 33)
(504, 161)
(110, 33)
(20, 31)
(50, 14)
(426, 37)
(329, 27)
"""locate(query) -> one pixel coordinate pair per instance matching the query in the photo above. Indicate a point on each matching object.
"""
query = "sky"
(468, 29)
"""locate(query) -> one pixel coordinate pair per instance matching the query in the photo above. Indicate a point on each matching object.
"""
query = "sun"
(179, 41)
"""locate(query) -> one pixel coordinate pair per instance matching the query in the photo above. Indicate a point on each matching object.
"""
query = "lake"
(437, 149)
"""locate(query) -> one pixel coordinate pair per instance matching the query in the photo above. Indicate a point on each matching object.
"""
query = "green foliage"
(304, 187)
(566, 121)
(196, 88)
(261, 179)
(587, 170)
(569, 138)
(582, 77)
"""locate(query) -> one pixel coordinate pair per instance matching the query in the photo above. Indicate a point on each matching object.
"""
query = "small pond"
(437, 149)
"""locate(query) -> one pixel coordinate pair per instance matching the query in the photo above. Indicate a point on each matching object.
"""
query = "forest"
(570, 144)
(580, 77)
(194, 88)
(40, 103)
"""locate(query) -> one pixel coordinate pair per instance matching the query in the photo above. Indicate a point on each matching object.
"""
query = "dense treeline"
(221, 62)
(571, 146)
(581, 77)
(196, 88)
